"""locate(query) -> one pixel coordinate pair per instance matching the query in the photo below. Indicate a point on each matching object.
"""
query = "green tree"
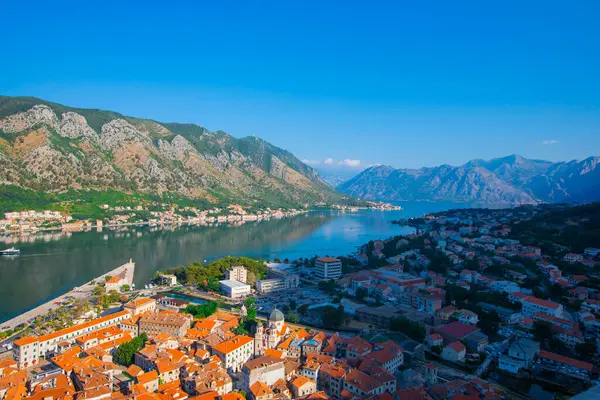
(412, 329)
(333, 317)
(303, 309)
(125, 352)
(202, 310)
(125, 288)
(293, 318)
(249, 302)
(586, 351)
(361, 293)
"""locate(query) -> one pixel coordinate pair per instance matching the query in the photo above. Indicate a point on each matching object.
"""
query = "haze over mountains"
(46, 146)
(508, 180)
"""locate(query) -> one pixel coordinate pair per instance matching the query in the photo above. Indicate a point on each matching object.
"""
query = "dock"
(84, 291)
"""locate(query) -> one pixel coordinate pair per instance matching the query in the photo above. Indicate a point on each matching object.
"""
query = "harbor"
(125, 272)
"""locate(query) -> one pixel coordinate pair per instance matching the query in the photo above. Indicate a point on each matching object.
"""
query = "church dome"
(276, 316)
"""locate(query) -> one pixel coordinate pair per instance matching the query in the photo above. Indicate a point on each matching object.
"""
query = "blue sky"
(408, 84)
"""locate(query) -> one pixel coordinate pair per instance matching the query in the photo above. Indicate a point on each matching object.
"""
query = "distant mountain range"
(48, 147)
(508, 180)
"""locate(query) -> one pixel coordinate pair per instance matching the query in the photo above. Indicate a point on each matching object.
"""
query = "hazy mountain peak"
(512, 179)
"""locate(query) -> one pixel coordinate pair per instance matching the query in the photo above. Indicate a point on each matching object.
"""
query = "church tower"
(259, 339)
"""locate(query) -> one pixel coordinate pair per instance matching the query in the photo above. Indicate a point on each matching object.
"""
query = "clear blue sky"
(408, 84)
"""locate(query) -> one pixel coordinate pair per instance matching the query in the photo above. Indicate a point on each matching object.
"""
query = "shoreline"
(188, 223)
(77, 292)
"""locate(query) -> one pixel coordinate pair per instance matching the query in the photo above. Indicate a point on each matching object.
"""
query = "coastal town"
(158, 214)
(475, 304)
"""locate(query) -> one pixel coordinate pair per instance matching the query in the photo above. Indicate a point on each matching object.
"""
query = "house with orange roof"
(266, 369)
(387, 355)
(56, 393)
(331, 377)
(361, 384)
(149, 380)
(235, 352)
(141, 306)
(209, 377)
(7, 365)
(98, 337)
(302, 386)
(357, 347)
(455, 352)
(14, 380)
(115, 283)
(260, 391)
(28, 350)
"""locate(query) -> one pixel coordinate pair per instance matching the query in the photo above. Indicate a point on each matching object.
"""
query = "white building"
(235, 352)
(238, 273)
(234, 289)
(274, 285)
(328, 268)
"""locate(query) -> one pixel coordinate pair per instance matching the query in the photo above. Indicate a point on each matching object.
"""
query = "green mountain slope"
(50, 147)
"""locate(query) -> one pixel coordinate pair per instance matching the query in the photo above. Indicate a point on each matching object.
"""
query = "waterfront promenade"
(80, 292)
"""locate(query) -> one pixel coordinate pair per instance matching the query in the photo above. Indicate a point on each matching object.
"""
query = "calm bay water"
(53, 263)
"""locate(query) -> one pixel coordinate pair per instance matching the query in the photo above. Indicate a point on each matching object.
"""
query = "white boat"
(10, 252)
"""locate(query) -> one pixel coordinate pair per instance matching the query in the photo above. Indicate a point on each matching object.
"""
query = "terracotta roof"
(134, 370)
(457, 329)
(259, 389)
(566, 360)
(263, 361)
(542, 303)
(233, 344)
(457, 346)
(328, 259)
(147, 377)
(274, 353)
(301, 381)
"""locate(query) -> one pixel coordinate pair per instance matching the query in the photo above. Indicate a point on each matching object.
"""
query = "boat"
(10, 252)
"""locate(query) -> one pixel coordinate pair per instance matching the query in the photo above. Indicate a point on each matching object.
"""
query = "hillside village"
(471, 306)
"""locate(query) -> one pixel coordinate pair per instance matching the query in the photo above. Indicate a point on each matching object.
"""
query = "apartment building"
(267, 369)
(238, 273)
(235, 352)
(140, 306)
(328, 268)
(165, 322)
(275, 285)
(28, 350)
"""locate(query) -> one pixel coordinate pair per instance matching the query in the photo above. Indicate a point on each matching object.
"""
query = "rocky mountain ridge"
(508, 180)
(50, 147)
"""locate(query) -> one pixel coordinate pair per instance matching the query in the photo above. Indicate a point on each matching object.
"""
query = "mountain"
(49, 147)
(508, 180)
(335, 176)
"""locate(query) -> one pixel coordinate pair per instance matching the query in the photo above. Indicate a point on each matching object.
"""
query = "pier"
(125, 271)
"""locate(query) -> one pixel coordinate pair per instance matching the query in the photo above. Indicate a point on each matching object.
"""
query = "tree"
(202, 310)
(303, 309)
(412, 329)
(293, 304)
(107, 278)
(97, 291)
(586, 351)
(293, 318)
(125, 288)
(542, 330)
(333, 317)
(249, 302)
(125, 352)
(361, 293)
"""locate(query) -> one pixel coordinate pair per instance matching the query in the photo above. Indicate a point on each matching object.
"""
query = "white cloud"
(350, 163)
(550, 141)
(328, 161)
(311, 162)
